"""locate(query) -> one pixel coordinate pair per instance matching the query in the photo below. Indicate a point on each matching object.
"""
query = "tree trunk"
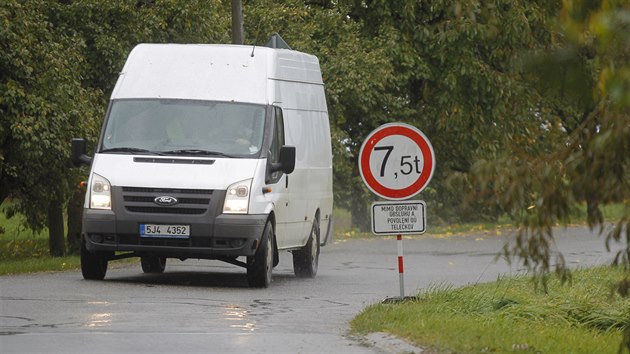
(56, 241)
(75, 215)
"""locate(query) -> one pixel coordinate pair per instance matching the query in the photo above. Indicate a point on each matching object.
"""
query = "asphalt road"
(206, 306)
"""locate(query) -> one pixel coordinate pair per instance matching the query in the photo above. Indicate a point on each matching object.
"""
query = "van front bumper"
(226, 235)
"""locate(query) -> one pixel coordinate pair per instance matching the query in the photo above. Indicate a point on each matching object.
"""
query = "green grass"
(510, 315)
(345, 230)
(39, 264)
(25, 251)
(27, 254)
(615, 211)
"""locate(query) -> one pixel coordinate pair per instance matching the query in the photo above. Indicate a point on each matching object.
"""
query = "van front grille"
(189, 201)
(137, 199)
(165, 210)
(166, 190)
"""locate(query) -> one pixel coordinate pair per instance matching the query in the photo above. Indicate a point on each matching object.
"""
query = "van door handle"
(286, 181)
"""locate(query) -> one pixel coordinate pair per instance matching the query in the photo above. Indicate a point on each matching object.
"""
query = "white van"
(211, 152)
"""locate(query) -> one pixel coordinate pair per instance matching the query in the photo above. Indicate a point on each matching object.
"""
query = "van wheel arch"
(306, 259)
(276, 255)
(260, 265)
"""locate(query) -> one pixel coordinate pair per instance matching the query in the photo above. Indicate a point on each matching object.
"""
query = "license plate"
(167, 231)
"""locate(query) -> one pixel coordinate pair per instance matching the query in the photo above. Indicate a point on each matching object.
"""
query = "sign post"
(396, 162)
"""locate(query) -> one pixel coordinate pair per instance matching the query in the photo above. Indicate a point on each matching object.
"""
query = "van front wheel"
(260, 265)
(93, 264)
(306, 259)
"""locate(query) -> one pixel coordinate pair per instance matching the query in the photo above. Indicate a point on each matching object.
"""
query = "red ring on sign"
(418, 185)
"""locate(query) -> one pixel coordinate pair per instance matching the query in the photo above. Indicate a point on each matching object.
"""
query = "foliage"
(525, 102)
(25, 251)
(16, 242)
(357, 71)
(454, 75)
(510, 315)
(59, 61)
(42, 105)
(111, 29)
(23, 248)
(585, 151)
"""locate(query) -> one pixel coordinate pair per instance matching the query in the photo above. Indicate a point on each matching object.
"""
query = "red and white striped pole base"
(401, 268)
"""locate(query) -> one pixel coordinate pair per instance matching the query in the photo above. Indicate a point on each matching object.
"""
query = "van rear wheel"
(260, 265)
(93, 264)
(153, 264)
(306, 259)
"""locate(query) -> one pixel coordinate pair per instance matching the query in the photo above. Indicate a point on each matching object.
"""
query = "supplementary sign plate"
(401, 217)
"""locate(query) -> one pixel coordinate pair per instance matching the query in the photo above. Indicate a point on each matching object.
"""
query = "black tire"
(93, 264)
(306, 259)
(260, 265)
(153, 264)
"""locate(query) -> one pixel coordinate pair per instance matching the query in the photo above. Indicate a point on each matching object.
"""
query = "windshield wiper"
(196, 152)
(131, 150)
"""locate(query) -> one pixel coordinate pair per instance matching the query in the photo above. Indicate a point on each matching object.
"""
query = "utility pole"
(237, 22)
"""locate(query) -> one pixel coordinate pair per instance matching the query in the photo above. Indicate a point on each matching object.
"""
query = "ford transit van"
(216, 152)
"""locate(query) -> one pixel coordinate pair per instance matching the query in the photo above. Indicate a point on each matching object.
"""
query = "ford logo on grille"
(165, 200)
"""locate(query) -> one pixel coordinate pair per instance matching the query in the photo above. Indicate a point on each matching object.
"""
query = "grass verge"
(39, 264)
(30, 254)
(504, 224)
(25, 251)
(510, 315)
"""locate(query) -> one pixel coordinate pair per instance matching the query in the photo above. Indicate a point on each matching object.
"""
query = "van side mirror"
(287, 160)
(78, 153)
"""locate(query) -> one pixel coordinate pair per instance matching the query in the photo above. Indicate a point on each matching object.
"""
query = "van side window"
(277, 141)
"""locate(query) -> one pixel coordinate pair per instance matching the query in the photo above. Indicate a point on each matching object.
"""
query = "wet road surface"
(206, 306)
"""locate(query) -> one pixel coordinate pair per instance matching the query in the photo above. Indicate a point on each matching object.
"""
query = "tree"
(466, 73)
(453, 76)
(585, 154)
(357, 72)
(110, 29)
(586, 140)
(42, 105)
(58, 61)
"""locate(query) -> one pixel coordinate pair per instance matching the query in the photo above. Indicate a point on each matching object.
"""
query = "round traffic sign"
(396, 161)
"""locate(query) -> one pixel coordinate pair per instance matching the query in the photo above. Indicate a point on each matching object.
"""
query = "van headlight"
(237, 197)
(100, 193)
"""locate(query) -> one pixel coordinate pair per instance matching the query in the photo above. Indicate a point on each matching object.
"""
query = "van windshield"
(184, 127)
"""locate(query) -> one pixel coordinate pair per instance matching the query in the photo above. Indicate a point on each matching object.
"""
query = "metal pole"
(401, 269)
(237, 22)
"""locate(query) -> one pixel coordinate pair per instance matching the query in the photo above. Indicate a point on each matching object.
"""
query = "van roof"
(211, 72)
